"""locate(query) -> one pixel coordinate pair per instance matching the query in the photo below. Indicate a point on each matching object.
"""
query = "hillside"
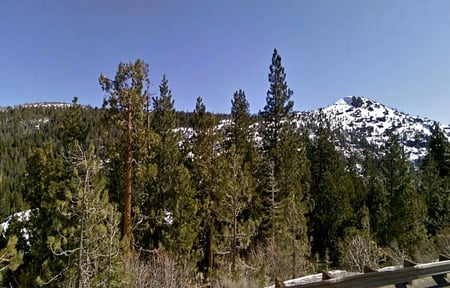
(366, 122)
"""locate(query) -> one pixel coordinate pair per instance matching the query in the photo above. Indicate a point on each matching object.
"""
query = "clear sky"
(396, 52)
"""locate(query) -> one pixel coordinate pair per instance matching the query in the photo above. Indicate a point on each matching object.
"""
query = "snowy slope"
(361, 119)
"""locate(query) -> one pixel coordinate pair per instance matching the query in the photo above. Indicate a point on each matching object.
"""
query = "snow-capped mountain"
(361, 119)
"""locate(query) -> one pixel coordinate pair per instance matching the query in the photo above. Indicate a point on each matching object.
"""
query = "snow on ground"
(20, 216)
(313, 278)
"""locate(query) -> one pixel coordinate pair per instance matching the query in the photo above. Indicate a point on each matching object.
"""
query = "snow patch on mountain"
(364, 120)
(48, 105)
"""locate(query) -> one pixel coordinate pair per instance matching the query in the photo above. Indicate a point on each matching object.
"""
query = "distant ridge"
(39, 104)
(361, 123)
(46, 104)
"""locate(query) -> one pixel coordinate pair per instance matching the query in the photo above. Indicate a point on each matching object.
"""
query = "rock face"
(362, 122)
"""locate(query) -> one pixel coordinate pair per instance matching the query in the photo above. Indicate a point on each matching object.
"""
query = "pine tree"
(435, 181)
(173, 200)
(206, 175)
(129, 138)
(278, 108)
(274, 118)
(44, 186)
(330, 190)
(164, 119)
(293, 183)
(10, 257)
(439, 151)
(407, 209)
(242, 162)
(90, 240)
(288, 181)
(237, 198)
(377, 199)
(74, 126)
(239, 132)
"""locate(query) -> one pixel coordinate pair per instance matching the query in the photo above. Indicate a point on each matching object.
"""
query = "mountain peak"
(355, 101)
(365, 120)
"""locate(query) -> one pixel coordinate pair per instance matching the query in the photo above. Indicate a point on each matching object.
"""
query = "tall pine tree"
(204, 165)
(287, 183)
(277, 111)
(241, 148)
(173, 200)
(129, 138)
(278, 108)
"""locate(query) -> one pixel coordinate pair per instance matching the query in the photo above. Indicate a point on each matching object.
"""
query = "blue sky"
(393, 51)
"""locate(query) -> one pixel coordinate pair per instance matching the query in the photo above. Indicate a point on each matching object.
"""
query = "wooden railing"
(377, 278)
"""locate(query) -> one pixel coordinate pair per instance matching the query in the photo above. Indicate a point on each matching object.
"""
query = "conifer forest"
(137, 194)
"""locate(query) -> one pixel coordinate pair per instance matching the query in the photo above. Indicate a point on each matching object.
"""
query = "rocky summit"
(362, 122)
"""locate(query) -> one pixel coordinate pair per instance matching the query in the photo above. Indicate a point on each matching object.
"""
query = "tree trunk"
(127, 200)
(233, 263)
(210, 248)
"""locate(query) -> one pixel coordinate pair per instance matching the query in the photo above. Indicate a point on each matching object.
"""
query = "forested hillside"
(137, 194)
(25, 128)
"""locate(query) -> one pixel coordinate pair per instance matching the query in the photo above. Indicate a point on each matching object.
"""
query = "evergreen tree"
(129, 138)
(274, 118)
(10, 257)
(439, 151)
(206, 175)
(377, 198)
(239, 132)
(74, 125)
(293, 183)
(90, 240)
(435, 181)
(278, 108)
(164, 114)
(331, 190)
(237, 198)
(44, 186)
(243, 160)
(288, 181)
(173, 201)
(407, 209)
